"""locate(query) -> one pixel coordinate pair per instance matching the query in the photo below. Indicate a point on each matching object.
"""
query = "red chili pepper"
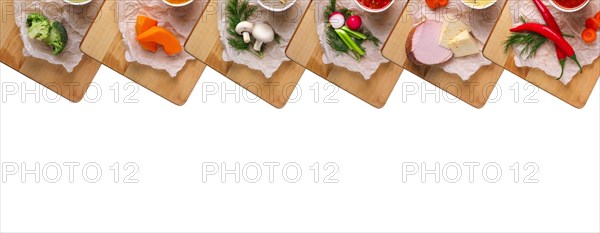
(552, 24)
(551, 35)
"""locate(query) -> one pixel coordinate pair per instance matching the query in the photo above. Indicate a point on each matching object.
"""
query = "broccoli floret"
(57, 38)
(52, 33)
(38, 26)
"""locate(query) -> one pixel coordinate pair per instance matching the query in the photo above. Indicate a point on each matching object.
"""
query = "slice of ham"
(422, 46)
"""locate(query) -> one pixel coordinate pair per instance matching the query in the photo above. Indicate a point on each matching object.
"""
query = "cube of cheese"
(463, 45)
(451, 30)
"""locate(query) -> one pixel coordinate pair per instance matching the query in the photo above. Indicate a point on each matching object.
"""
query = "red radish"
(354, 22)
(336, 19)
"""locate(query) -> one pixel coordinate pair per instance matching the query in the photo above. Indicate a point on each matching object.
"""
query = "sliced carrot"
(592, 23)
(588, 35)
(433, 4)
(442, 3)
(144, 23)
(162, 37)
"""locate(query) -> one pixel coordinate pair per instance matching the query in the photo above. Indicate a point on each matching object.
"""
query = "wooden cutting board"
(104, 43)
(306, 50)
(204, 43)
(475, 91)
(576, 93)
(71, 86)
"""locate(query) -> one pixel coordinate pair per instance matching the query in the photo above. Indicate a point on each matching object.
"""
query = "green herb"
(531, 42)
(568, 35)
(277, 38)
(372, 38)
(353, 44)
(329, 9)
(335, 42)
(238, 11)
(522, 19)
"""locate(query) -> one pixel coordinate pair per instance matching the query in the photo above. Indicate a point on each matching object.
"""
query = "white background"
(170, 144)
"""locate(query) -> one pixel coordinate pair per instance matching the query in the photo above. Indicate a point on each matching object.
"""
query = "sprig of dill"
(335, 42)
(530, 41)
(370, 37)
(331, 7)
(238, 11)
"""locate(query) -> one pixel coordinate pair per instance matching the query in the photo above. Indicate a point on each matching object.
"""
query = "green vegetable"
(51, 33)
(349, 42)
(345, 40)
(38, 26)
(335, 43)
(354, 34)
(58, 38)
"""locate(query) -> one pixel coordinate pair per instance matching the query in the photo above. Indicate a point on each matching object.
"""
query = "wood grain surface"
(204, 43)
(475, 91)
(104, 43)
(306, 50)
(576, 93)
(71, 86)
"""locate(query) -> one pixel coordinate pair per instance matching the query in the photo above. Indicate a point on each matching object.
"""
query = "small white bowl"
(77, 3)
(560, 8)
(271, 6)
(491, 3)
(374, 10)
(177, 5)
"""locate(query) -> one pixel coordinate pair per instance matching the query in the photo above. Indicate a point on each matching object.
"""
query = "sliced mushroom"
(263, 34)
(244, 28)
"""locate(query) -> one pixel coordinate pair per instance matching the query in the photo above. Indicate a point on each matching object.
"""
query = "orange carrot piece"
(163, 37)
(143, 24)
(588, 35)
(592, 23)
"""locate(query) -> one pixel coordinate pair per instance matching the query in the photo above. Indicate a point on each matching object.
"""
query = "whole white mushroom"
(244, 28)
(263, 33)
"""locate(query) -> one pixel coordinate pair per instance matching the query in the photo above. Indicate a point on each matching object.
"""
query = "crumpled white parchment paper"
(569, 23)
(75, 19)
(482, 23)
(178, 20)
(380, 24)
(283, 23)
